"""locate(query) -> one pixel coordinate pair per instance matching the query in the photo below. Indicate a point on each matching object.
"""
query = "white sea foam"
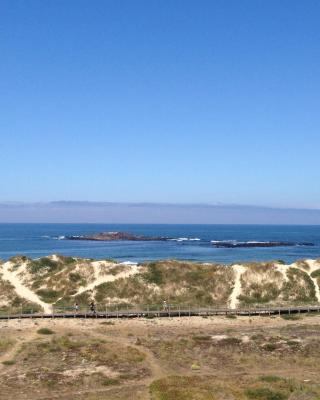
(239, 242)
(185, 239)
(128, 263)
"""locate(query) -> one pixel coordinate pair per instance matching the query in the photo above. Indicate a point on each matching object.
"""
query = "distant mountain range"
(112, 212)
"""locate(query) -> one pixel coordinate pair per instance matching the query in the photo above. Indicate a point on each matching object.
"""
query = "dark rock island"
(118, 236)
(111, 236)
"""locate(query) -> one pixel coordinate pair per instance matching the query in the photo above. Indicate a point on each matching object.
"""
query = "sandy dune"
(21, 289)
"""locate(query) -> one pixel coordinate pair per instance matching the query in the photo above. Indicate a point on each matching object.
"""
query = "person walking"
(92, 307)
(165, 305)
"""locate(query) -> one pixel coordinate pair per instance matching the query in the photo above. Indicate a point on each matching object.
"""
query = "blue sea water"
(37, 240)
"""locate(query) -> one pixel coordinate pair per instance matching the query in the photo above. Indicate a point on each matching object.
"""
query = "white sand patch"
(219, 337)
(89, 370)
(99, 279)
(54, 257)
(245, 339)
(236, 291)
(12, 276)
(283, 269)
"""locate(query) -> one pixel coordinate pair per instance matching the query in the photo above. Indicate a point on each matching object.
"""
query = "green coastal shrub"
(45, 331)
(44, 264)
(316, 273)
(265, 394)
(154, 274)
(48, 295)
(299, 287)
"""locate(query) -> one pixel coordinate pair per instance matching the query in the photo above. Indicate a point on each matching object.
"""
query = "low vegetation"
(260, 284)
(192, 358)
(299, 287)
(45, 331)
(64, 281)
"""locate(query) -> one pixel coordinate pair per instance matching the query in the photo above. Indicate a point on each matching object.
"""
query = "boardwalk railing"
(153, 311)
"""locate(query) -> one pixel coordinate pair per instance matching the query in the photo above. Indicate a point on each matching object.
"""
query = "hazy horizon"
(153, 213)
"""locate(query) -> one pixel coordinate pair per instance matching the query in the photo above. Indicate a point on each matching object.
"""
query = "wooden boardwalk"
(171, 312)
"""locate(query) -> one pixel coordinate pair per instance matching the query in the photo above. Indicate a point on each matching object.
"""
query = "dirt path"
(233, 299)
(134, 269)
(22, 290)
(157, 371)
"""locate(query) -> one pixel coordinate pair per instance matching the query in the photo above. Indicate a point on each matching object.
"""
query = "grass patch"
(270, 378)
(316, 273)
(299, 287)
(45, 331)
(154, 274)
(43, 265)
(183, 388)
(201, 338)
(230, 341)
(5, 345)
(291, 317)
(109, 381)
(75, 277)
(265, 394)
(270, 347)
(48, 295)
(8, 362)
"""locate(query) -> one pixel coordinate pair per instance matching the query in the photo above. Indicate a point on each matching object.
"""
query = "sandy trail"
(21, 289)
(233, 299)
(99, 279)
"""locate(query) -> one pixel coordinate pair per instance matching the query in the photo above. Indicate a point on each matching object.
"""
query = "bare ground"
(196, 358)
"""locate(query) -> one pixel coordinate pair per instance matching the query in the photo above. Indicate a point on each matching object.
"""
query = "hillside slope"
(61, 281)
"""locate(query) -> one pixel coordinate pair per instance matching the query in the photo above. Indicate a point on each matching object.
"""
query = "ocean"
(192, 242)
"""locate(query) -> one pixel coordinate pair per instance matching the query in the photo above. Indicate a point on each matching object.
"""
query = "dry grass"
(180, 282)
(58, 280)
(261, 283)
(192, 358)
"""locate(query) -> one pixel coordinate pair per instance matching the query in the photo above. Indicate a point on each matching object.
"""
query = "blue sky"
(160, 101)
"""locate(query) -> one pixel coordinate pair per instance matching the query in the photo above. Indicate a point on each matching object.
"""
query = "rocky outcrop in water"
(111, 236)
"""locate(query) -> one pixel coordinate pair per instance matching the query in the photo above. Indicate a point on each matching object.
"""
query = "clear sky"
(160, 101)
